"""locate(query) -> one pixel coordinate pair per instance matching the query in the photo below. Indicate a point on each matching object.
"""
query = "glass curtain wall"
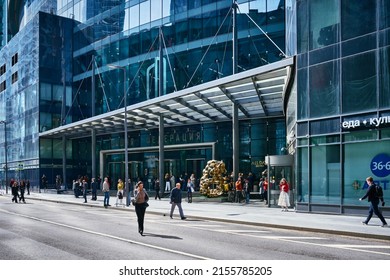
(196, 41)
(55, 92)
(343, 74)
(19, 106)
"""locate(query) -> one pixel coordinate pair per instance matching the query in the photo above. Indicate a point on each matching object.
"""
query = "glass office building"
(339, 108)
(80, 61)
(34, 54)
(186, 71)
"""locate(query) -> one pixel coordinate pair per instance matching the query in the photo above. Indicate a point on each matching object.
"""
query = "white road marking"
(351, 248)
(292, 239)
(359, 246)
(242, 231)
(298, 239)
(107, 235)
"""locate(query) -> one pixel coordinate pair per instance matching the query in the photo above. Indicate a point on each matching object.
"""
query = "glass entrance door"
(276, 174)
(116, 170)
(280, 167)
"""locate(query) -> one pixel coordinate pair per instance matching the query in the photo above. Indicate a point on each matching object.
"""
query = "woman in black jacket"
(141, 198)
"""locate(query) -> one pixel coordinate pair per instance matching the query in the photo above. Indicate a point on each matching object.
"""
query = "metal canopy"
(258, 92)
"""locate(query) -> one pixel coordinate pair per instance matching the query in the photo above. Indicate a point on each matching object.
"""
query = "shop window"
(303, 175)
(325, 174)
(385, 133)
(360, 161)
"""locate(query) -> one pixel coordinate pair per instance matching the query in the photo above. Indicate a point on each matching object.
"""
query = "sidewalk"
(254, 213)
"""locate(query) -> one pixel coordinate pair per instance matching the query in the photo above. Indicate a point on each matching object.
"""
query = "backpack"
(378, 191)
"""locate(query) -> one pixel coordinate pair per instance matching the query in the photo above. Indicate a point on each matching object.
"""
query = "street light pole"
(127, 187)
(5, 155)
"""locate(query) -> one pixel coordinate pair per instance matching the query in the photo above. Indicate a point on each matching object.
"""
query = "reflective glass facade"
(32, 85)
(68, 60)
(342, 105)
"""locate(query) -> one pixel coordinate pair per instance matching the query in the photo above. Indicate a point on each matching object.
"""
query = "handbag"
(120, 195)
(133, 201)
(146, 205)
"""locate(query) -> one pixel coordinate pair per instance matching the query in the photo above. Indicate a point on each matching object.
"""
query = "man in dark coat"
(374, 202)
(176, 200)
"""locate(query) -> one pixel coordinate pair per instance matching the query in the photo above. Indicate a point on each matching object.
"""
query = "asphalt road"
(41, 230)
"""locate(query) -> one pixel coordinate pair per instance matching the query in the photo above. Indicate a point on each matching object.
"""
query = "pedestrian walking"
(106, 191)
(141, 199)
(94, 187)
(374, 198)
(190, 190)
(176, 200)
(22, 188)
(157, 188)
(15, 192)
(284, 198)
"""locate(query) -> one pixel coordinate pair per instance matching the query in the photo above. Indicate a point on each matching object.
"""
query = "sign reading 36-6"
(380, 165)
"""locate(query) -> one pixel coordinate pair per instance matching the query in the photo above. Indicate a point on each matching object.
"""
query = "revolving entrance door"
(279, 167)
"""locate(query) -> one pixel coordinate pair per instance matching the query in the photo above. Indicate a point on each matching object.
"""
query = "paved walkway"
(254, 213)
